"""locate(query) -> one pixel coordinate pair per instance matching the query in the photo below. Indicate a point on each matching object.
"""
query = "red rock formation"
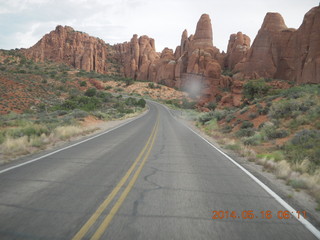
(300, 61)
(73, 48)
(238, 46)
(284, 53)
(277, 52)
(162, 70)
(263, 57)
(137, 56)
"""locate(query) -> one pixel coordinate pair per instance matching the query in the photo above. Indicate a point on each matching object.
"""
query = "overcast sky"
(24, 22)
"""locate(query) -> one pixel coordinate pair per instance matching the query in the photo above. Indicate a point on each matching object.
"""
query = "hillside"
(45, 103)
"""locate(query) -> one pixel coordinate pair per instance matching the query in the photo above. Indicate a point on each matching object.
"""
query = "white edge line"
(72, 145)
(292, 211)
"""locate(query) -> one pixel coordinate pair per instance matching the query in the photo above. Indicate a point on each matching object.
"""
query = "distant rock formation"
(285, 53)
(77, 49)
(196, 65)
(136, 56)
(238, 47)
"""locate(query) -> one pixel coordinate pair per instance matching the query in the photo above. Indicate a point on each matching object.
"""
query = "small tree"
(255, 89)
(142, 103)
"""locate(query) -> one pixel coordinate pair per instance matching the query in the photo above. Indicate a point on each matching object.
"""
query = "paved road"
(150, 179)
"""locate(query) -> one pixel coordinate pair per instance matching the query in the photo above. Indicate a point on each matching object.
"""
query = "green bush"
(91, 92)
(288, 108)
(246, 124)
(305, 144)
(141, 103)
(254, 140)
(230, 117)
(129, 81)
(255, 89)
(131, 101)
(205, 117)
(252, 115)
(151, 85)
(188, 104)
(226, 129)
(77, 113)
(83, 84)
(245, 132)
(272, 132)
(119, 89)
(212, 106)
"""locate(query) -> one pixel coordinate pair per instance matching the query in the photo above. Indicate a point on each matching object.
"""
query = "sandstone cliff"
(285, 53)
(136, 56)
(238, 47)
(73, 48)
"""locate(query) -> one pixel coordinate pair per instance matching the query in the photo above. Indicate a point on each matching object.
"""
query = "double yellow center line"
(144, 154)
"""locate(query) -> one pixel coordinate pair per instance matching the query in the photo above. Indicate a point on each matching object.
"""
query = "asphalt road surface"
(152, 178)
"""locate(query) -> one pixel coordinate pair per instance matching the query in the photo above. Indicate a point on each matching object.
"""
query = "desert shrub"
(255, 89)
(220, 114)
(254, 140)
(300, 91)
(218, 98)
(227, 72)
(83, 84)
(131, 101)
(297, 183)
(77, 113)
(210, 126)
(119, 89)
(288, 108)
(151, 85)
(246, 124)
(230, 117)
(205, 117)
(245, 132)
(128, 81)
(212, 106)
(234, 147)
(244, 110)
(141, 103)
(90, 92)
(105, 96)
(30, 130)
(100, 115)
(188, 104)
(305, 144)
(82, 102)
(272, 132)
(226, 129)
(275, 156)
(108, 87)
(252, 115)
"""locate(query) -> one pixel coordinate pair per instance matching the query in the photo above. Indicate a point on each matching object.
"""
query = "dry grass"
(283, 169)
(15, 146)
(66, 132)
(12, 148)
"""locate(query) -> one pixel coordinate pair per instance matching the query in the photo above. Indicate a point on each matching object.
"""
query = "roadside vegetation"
(45, 103)
(277, 128)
